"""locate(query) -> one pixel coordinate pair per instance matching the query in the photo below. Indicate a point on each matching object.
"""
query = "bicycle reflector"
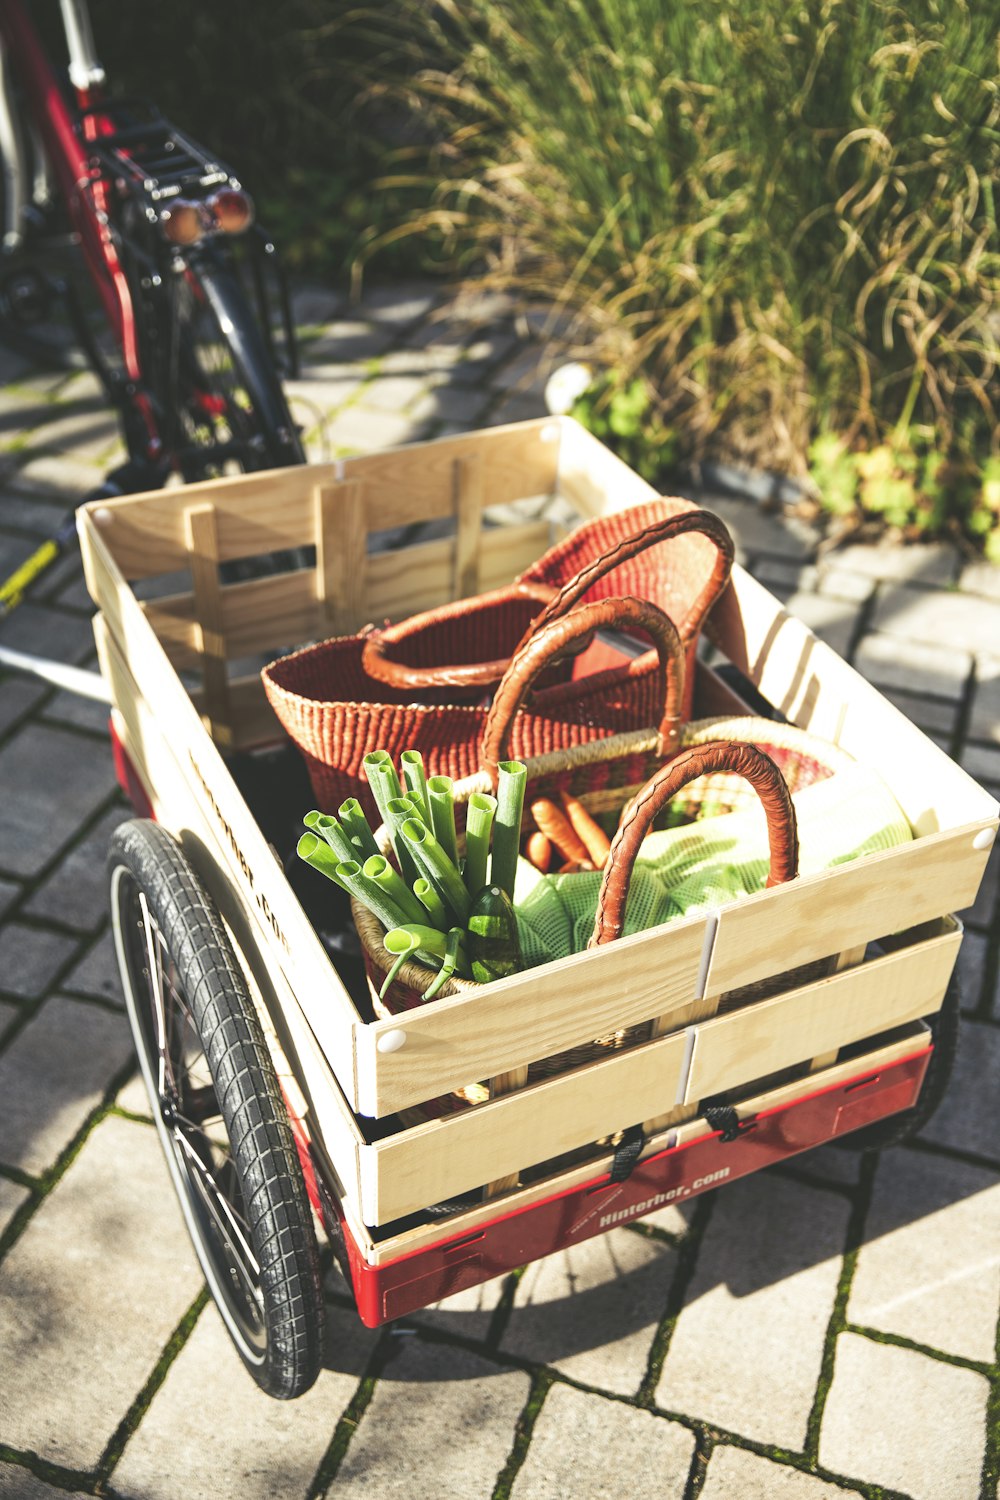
(229, 211)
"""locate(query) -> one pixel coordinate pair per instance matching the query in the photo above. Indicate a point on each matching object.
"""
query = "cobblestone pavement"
(827, 1326)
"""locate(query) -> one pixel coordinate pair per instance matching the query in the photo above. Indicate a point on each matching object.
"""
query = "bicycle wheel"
(218, 1109)
(222, 401)
(896, 1129)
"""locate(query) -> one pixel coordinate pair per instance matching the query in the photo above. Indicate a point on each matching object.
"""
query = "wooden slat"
(292, 942)
(341, 554)
(592, 477)
(468, 525)
(820, 915)
(434, 1161)
(732, 1050)
(532, 1015)
(428, 1234)
(272, 614)
(203, 554)
(268, 512)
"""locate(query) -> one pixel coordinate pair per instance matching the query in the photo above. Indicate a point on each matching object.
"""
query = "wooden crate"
(174, 729)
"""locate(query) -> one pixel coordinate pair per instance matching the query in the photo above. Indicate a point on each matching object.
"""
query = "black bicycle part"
(218, 1109)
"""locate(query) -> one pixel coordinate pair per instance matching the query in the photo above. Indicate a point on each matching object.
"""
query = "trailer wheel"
(896, 1129)
(218, 1109)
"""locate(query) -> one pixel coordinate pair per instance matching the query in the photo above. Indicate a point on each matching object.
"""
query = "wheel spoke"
(216, 1201)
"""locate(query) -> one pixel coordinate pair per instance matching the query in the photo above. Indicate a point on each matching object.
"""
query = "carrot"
(553, 822)
(591, 833)
(539, 851)
(576, 866)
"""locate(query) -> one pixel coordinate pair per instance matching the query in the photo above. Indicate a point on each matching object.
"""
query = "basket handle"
(541, 646)
(396, 674)
(705, 521)
(718, 755)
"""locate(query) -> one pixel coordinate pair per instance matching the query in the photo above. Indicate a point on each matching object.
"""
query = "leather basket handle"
(541, 646)
(403, 678)
(718, 755)
(660, 531)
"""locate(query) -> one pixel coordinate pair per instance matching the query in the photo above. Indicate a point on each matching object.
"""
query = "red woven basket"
(424, 684)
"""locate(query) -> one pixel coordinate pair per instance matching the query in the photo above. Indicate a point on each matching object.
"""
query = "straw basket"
(420, 685)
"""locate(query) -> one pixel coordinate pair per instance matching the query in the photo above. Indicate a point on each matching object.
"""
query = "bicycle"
(185, 280)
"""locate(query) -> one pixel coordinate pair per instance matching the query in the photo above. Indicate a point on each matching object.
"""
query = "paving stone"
(134, 1098)
(463, 405)
(929, 714)
(583, 1445)
(736, 1474)
(53, 1074)
(515, 409)
(929, 1268)
(674, 1219)
(965, 1120)
(466, 1314)
(41, 630)
(893, 662)
(832, 620)
(592, 1311)
(19, 1484)
(984, 718)
(980, 578)
(30, 959)
(782, 576)
(982, 762)
(896, 1418)
(97, 973)
(360, 430)
(69, 427)
(77, 711)
(18, 696)
(55, 473)
(211, 1432)
(327, 392)
(441, 1422)
(9, 893)
(972, 958)
(14, 551)
(89, 1295)
(316, 304)
(35, 514)
(954, 621)
(527, 372)
(757, 530)
(887, 561)
(402, 303)
(77, 890)
(833, 1163)
(347, 339)
(393, 393)
(12, 1195)
(981, 912)
(842, 583)
(765, 1282)
(52, 779)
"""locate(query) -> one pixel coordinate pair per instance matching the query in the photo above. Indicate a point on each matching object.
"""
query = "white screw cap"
(391, 1041)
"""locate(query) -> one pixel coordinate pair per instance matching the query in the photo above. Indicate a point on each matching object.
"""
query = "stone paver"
(736, 1474)
(30, 959)
(467, 1314)
(940, 618)
(893, 663)
(19, 1484)
(748, 1346)
(899, 1419)
(211, 1432)
(76, 893)
(585, 1447)
(929, 1269)
(592, 1311)
(89, 1295)
(12, 1195)
(51, 779)
(53, 1074)
(441, 1422)
(965, 1120)
(97, 973)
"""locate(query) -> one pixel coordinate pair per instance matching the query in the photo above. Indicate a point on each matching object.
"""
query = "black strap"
(723, 1117)
(627, 1153)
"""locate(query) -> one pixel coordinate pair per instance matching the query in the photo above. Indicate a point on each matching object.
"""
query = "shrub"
(777, 215)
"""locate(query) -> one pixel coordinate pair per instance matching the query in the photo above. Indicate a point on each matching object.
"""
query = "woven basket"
(421, 685)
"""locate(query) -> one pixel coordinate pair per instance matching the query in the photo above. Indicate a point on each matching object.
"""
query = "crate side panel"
(434, 1161)
(732, 1050)
(824, 914)
(532, 1015)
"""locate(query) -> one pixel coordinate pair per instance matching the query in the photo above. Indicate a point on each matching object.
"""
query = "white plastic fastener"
(103, 516)
(391, 1041)
(984, 838)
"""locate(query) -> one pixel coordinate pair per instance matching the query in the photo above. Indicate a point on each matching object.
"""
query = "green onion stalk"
(442, 805)
(317, 853)
(355, 825)
(351, 876)
(480, 812)
(431, 901)
(392, 885)
(507, 828)
(433, 948)
(326, 825)
(415, 781)
(436, 867)
(397, 811)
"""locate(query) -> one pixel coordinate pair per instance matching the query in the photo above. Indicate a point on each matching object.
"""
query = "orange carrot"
(539, 851)
(591, 833)
(553, 822)
(575, 866)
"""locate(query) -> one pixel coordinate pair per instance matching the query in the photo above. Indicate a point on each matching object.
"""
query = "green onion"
(328, 828)
(431, 901)
(451, 960)
(378, 869)
(322, 858)
(355, 825)
(478, 822)
(350, 875)
(397, 810)
(436, 866)
(412, 763)
(507, 829)
(442, 804)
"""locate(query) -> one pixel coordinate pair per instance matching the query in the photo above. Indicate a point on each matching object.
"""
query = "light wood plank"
(468, 525)
(536, 1014)
(434, 1161)
(268, 512)
(819, 915)
(210, 641)
(341, 553)
(732, 1050)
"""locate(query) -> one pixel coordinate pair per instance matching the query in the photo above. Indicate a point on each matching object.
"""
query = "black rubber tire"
(217, 353)
(167, 928)
(896, 1129)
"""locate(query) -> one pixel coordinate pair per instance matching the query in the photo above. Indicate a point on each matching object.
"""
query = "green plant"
(778, 216)
(623, 418)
